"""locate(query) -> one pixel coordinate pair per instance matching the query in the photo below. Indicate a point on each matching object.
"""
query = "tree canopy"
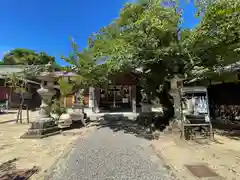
(215, 42)
(146, 35)
(89, 72)
(21, 56)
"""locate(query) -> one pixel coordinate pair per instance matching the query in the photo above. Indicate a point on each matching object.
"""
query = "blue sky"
(46, 25)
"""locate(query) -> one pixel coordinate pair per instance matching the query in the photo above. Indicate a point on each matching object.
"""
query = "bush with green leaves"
(58, 108)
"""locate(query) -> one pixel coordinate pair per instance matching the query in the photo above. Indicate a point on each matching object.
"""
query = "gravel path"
(108, 155)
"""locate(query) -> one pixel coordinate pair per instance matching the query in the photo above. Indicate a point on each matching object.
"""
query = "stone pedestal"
(65, 121)
(45, 124)
(78, 115)
(40, 129)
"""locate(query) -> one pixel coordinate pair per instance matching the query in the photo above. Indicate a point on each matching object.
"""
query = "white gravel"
(108, 155)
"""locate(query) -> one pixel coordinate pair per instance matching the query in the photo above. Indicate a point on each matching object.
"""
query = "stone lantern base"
(42, 128)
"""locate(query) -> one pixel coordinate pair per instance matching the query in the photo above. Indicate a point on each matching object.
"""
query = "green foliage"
(19, 56)
(16, 83)
(66, 88)
(43, 58)
(27, 57)
(88, 71)
(33, 71)
(147, 35)
(144, 36)
(58, 108)
(215, 41)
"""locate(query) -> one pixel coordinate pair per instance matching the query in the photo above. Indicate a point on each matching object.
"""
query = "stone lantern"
(44, 125)
(145, 104)
(176, 85)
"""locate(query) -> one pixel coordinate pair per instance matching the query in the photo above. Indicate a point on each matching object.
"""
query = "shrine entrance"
(116, 97)
(121, 95)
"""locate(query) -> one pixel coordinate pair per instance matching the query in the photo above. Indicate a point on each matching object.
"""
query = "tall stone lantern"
(44, 125)
(176, 85)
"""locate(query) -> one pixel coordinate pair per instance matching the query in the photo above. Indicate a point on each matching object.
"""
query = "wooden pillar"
(65, 102)
(133, 97)
(73, 100)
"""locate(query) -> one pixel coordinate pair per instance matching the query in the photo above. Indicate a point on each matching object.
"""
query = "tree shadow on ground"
(229, 130)
(8, 171)
(144, 126)
(9, 112)
(8, 121)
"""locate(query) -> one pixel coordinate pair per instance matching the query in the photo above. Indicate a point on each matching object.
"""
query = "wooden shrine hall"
(122, 95)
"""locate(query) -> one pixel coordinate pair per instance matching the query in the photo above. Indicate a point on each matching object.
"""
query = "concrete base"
(64, 121)
(76, 116)
(42, 128)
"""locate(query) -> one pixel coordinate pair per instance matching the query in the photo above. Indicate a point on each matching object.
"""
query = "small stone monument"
(78, 111)
(176, 84)
(65, 121)
(146, 106)
(44, 125)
